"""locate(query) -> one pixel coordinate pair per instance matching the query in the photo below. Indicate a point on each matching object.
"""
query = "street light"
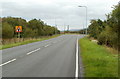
(86, 17)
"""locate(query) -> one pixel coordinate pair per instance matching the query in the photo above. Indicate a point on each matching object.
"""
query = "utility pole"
(64, 28)
(68, 28)
(55, 27)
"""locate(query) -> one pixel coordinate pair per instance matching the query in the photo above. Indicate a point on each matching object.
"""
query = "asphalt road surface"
(49, 58)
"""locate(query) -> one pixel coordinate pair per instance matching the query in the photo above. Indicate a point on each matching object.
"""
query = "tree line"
(31, 29)
(107, 31)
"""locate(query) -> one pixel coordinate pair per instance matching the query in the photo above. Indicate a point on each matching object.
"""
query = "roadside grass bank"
(97, 60)
(27, 41)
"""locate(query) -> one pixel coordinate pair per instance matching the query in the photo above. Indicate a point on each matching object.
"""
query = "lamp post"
(86, 17)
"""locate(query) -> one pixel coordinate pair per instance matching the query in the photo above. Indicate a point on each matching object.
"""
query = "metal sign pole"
(18, 29)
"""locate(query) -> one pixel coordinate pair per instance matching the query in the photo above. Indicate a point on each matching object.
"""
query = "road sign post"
(18, 29)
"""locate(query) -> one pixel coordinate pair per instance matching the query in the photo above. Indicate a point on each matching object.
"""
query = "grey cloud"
(64, 11)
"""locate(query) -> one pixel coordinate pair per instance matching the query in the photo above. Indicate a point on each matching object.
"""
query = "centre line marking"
(8, 62)
(33, 51)
(47, 45)
(76, 71)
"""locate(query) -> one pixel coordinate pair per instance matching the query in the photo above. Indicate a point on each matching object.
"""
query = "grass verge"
(97, 60)
(26, 42)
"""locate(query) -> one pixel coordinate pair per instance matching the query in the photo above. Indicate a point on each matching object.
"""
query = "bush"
(7, 31)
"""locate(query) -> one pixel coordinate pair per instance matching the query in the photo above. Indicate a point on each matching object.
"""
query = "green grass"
(26, 42)
(97, 61)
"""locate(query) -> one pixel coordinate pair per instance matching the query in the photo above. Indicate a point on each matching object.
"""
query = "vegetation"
(83, 31)
(26, 42)
(33, 28)
(97, 61)
(107, 31)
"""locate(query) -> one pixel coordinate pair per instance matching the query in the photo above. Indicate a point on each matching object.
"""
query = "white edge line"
(76, 71)
(33, 51)
(7, 62)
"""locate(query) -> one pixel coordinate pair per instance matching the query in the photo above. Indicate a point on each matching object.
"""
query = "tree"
(7, 30)
(108, 31)
(34, 28)
(96, 28)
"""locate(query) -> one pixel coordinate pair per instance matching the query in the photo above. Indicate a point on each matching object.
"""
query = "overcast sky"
(63, 12)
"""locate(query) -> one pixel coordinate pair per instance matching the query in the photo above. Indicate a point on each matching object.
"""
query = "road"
(55, 57)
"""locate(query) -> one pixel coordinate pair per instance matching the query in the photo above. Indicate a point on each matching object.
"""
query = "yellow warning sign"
(18, 28)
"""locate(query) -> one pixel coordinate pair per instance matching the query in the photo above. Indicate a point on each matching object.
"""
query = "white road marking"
(47, 45)
(7, 62)
(76, 71)
(33, 51)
